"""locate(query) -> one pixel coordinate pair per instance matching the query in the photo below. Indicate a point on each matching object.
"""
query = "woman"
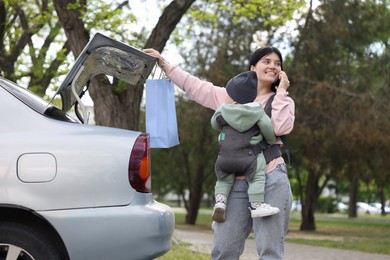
(229, 236)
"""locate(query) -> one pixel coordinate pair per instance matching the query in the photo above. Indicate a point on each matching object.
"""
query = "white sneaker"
(264, 210)
(219, 212)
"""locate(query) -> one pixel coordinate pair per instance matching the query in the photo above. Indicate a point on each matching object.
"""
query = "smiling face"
(268, 69)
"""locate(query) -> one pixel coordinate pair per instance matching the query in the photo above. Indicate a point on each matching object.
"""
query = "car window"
(34, 101)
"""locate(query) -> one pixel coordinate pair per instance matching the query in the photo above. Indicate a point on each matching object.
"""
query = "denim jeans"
(270, 232)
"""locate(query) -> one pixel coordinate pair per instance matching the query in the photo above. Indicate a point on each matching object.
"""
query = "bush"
(327, 205)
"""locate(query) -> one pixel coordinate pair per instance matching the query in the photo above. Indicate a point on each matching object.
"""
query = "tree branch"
(167, 23)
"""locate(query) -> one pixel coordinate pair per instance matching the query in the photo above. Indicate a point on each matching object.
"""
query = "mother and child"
(249, 146)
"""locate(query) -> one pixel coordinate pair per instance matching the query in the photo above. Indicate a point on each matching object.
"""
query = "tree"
(20, 26)
(335, 94)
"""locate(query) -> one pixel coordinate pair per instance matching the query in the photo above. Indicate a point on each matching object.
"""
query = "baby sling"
(235, 153)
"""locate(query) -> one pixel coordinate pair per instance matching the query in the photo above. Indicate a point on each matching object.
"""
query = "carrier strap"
(273, 151)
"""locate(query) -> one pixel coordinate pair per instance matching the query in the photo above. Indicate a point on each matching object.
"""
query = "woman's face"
(268, 68)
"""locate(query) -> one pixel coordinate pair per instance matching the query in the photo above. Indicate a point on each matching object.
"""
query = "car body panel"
(110, 156)
(87, 232)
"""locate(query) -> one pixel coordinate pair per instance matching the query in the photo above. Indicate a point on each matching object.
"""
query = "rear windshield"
(35, 102)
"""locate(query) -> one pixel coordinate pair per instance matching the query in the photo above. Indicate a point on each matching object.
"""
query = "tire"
(21, 242)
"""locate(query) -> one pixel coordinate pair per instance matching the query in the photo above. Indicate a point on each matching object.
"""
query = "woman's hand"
(154, 53)
(284, 82)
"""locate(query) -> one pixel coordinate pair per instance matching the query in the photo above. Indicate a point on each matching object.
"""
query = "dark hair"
(264, 51)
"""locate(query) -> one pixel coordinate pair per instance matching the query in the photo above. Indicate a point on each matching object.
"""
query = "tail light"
(139, 166)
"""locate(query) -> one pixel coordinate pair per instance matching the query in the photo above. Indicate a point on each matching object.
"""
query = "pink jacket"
(207, 94)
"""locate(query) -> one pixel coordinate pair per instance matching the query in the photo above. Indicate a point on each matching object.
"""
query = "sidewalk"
(202, 241)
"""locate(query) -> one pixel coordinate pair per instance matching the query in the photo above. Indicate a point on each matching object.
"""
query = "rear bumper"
(141, 230)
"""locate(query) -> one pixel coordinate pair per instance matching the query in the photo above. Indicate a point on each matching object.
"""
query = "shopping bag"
(161, 121)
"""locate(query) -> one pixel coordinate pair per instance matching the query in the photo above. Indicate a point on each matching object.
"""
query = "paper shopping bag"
(161, 121)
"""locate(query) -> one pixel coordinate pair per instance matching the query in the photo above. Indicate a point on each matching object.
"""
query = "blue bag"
(161, 121)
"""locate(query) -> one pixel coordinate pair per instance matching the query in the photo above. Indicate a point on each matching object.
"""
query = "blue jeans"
(230, 236)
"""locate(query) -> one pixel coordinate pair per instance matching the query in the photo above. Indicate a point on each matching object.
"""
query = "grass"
(181, 252)
(367, 233)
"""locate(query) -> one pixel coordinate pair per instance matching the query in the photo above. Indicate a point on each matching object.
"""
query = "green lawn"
(367, 233)
(180, 252)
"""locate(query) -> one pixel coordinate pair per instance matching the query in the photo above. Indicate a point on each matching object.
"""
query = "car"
(296, 205)
(365, 208)
(342, 207)
(70, 190)
(379, 207)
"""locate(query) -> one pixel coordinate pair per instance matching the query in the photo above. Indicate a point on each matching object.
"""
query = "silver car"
(69, 190)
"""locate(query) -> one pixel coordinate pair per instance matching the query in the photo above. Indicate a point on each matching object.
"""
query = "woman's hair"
(264, 51)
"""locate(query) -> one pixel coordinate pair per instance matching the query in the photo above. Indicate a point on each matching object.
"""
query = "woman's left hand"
(284, 82)
(157, 54)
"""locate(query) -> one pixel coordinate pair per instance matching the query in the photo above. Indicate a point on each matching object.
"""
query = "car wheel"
(21, 242)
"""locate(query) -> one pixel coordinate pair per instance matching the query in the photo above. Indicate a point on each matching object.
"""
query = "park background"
(336, 54)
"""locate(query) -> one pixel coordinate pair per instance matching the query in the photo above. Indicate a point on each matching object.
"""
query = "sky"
(153, 10)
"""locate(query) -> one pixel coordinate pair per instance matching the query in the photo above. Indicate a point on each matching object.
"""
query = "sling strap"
(273, 151)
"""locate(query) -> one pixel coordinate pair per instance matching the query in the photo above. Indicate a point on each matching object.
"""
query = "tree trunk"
(196, 194)
(353, 192)
(382, 198)
(194, 201)
(120, 110)
(310, 202)
(74, 28)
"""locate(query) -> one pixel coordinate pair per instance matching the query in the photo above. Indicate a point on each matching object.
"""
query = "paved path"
(201, 241)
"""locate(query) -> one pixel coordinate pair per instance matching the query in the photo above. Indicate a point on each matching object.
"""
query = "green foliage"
(298, 179)
(341, 129)
(334, 34)
(120, 86)
(224, 33)
(112, 17)
(273, 14)
(20, 21)
(327, 205)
